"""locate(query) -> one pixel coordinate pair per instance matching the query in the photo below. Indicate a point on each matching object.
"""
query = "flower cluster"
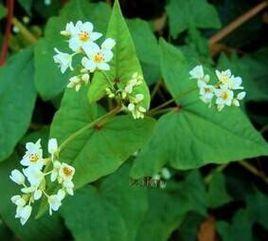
(35, 175)
(223, 90)
(81, 41)
(129, 97)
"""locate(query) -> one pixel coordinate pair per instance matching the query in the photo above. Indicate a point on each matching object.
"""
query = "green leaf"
(99, 150)
(17, 98)
(112, 212)
(3, 11)
(49, 80)
(124, 63)
(183, 15)
(27, 5)
(194, 134)
(147, 49)
(217, 193)
(51, 228)
(238, 229)
(257, 204)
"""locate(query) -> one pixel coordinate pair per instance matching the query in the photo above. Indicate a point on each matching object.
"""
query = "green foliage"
(192, 14)
(17, 98)
(124, 63)
(157, 178)
(2, 11)
(96, 152)
(206, 137)
(147, 49)
(50, 81)
(112, 211)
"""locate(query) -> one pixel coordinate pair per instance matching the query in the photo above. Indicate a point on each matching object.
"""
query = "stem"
(155, 89)
(254, 171)
(216, 170)
(91, 124)
(172, 100)
(24, 31)
(237, 22)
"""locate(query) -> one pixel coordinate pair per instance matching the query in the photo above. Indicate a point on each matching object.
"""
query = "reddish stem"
(10, 8)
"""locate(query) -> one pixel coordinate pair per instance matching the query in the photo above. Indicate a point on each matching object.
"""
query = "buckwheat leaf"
(195, 135)
(49, 80)
(51, 228)
(3, 11)
(124, 63)
(17, 98)
(100, 150)
(112, 212)
(238, 229)
(147, 49)
(217, 193)
(183, 15)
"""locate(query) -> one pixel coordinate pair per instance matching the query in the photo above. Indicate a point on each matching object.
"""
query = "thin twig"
(254, 171)
(237, 23)
(10, 8)
(28, 36)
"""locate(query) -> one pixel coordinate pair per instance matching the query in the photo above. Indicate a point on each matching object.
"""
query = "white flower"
(74, 82)
(85, 78)
(17, 177)
(224, 97)
(52, 146)
(55, 171)
(235, 83)
(136, 80)
(34, 176)
(81, 35)
(98, 58)
(70, 30)
(24, 213)
(108, 44)
(165, 173)
(66, 172)
(239, 97)
(18, 200)
(64, 60)
(33, 155)
(136, 111)
(206, 93)
(54, 201)
(197, 72)
(68, 186)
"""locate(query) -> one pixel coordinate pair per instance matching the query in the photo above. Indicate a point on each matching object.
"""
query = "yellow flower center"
(33, 157)
(83, 36)
(98, 58)
(224, 95)
(67, 171)
(224, 79)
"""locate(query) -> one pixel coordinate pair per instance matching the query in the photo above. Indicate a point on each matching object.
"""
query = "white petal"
(37, 194)
(108, 55)
(25, 213)
(52, 145)
(74, 44)
(103, 66)
(95, 35)
(197, 72)
(109, 43)
(87, 27)
(88, 64)
(17, 177)
(241, 95)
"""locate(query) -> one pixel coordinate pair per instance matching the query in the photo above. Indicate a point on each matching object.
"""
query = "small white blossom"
(18, 200)
(98, 58)
(165, 173)
(206, 93)
(66, 172)
(24, 213)
(68, 186)
(74, 82)
(17, 177)
(34, 175)
(238, 98)
(81, 35)
(55, 201)
(136, 111)
(197, 72)
(224, 97)
(52, 146)
(55, 171)
(64, 60)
